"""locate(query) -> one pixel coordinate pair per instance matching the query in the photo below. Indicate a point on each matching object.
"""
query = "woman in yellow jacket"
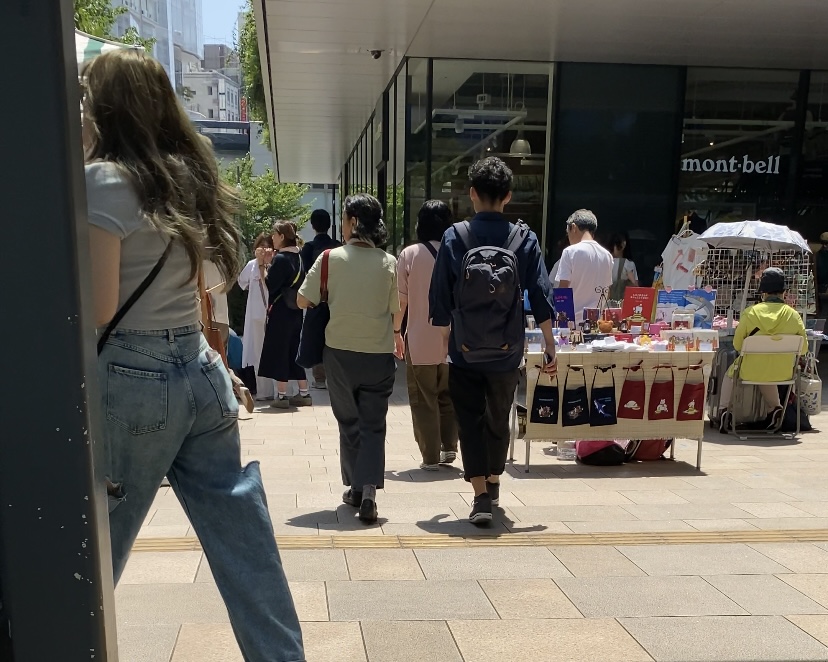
(772, 317)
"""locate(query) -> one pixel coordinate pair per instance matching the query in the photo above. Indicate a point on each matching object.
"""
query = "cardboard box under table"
(651, 365)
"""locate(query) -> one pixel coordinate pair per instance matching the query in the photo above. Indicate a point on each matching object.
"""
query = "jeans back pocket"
(220, 381)
(136, 399)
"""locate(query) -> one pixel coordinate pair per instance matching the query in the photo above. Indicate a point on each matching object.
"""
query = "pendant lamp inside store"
(520, 146)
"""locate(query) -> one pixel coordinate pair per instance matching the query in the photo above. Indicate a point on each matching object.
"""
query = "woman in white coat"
(252, 279)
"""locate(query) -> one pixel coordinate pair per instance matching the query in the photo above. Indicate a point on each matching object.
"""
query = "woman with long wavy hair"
(157, 205)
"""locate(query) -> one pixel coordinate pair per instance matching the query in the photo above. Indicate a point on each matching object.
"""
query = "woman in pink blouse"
(424, 346)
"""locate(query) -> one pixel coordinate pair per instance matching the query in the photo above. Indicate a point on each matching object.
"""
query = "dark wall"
(616, 148)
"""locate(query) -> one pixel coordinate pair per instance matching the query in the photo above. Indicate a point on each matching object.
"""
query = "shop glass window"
(484, 109)
(417, 109)
(812, 192)
(398, 137)
(737, 143)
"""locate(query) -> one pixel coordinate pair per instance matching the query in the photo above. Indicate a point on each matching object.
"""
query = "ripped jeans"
(169, 409)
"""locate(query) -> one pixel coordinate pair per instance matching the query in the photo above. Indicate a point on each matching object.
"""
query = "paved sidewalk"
(653, 561)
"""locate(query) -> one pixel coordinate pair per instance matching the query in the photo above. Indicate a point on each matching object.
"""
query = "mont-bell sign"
(769, 166)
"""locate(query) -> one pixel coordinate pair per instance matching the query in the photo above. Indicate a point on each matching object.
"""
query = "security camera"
(376, 53)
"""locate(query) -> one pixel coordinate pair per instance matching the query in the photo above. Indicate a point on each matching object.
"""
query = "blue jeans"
(170, 410)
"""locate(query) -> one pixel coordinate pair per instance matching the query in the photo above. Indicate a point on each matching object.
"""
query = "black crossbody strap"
(430, 248)
(133, 299)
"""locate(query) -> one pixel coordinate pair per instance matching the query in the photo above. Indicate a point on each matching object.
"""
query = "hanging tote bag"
(575, 408)
(691, 401)
(546, 401)
(602, 405)
(810, 387)
(633, 394)
(312, 340)
(662, 396)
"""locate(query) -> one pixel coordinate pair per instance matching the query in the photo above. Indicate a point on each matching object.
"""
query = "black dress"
(284, 324)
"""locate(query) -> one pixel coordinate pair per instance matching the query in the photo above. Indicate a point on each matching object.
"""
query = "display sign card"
(564, 307)
(639, 303)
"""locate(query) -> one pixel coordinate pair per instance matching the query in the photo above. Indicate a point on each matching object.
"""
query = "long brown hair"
(135, 120)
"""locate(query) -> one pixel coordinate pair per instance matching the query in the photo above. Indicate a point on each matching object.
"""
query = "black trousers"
(482, 404)
(359, 386)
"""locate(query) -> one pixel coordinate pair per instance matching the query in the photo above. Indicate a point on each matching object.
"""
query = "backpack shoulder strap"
(516, 238)
(430, 248)
(133, 299)
(463, 230)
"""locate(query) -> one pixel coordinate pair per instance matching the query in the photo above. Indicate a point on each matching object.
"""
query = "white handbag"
(810, 387)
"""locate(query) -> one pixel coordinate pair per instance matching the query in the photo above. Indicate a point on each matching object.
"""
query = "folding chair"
(788, 346)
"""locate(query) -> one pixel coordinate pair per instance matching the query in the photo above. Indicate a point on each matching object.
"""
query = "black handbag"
(602, 406)
(312, 340)
(545, 403)
(575, 409)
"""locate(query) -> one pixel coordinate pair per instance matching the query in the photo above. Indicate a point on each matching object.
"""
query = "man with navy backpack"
(482, 269)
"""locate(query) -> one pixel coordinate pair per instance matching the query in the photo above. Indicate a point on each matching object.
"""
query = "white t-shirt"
(553, 275)
(630, 272)
(681, 256)
(214, 284)
(586, 265)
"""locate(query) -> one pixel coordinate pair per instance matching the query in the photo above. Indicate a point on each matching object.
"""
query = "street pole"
(55, 565)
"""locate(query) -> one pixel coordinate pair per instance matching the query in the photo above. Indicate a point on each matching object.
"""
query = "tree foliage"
(264, 199)
(251, 66)
(97, 18)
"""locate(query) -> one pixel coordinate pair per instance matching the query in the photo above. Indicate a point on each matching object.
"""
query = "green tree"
(251, 66)
(264, 199)
(97, 18)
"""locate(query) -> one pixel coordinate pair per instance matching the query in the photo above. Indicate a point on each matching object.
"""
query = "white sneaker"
(447, 457)
(429, 467)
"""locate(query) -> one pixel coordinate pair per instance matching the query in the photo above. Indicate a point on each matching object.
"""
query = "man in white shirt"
(586, 266)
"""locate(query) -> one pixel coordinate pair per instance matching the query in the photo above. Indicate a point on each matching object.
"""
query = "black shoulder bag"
(133, 299)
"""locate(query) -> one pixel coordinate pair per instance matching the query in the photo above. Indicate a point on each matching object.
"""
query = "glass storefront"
(646, 147)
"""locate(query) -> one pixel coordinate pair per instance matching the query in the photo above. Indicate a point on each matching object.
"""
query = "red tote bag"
(691, 401)
(662, 396)
(633, 394)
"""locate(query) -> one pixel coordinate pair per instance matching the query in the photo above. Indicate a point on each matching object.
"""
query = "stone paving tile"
(161, 568)
(333, 642)
(450, 527)
(724, 639)
(305, 517)
(808, 494)
(571, 513)
(559, 640)
(764, 595)
(311, 600)
(722, 524)
(796, 557)
(653, 497)
(198, 642)
(408, 601)
(169, 517)
(169, 604)
(632, 526)
(409, 641)
(383, 564)
(745, 495)
(815, 586)
(537, 527)
(615, 597)
(816, 626)
(645, 483)
(528, 598)
(790, 523)
(490, 563)
(816, 508)
(590, 498)
(177, 531)
(146, 643)
(772, 510)
(718, 559)
(687, 511)
(595, 561)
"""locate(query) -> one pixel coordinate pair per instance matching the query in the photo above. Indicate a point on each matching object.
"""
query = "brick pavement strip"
(652, 561)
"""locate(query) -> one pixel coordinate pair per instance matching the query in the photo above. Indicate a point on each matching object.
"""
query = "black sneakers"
(352, 498)
(481, 513)
(494, 491)
(368, 511)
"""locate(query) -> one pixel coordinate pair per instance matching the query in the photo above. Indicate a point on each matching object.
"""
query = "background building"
(213, 95)
(224, 59)
(153, 20)
(647, 112)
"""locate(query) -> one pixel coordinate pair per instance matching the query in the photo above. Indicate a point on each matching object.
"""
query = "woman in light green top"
(359, 346)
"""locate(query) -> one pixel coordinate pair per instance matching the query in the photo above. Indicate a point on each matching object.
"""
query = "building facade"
(213, 95)
(152, 19)
(647, 147)
(224, 59)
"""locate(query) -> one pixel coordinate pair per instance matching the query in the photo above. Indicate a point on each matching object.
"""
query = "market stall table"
(626, 428)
